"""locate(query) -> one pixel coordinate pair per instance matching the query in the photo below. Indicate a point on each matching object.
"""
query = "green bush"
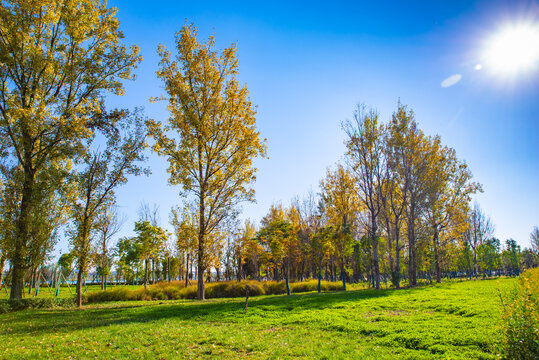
(521, 319)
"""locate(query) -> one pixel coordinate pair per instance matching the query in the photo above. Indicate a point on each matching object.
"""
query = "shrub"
(274, 287)
(312, 285)
(177, 290)
(521, 318)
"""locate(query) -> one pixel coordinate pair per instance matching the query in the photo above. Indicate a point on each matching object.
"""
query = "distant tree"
(108, 224)
(480, 228)
(184, 221)
(488, 255)
(365, 150)
(275, 235)
(341, 197)
(511, 256)
(66, 263)
(216, 126)
(448, 196)
(528, 259)
(150, 243)
(534, 240)
(57, 61)
(397, 183)
(128, 258)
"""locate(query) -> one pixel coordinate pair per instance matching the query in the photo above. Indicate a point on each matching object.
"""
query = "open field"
(450, 321)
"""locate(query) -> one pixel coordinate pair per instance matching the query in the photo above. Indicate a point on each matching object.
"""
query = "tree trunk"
(187, 271)
(79, 284)
(397, 264)
(240, 268)
(153, 271)
(411, 250)
(2, 264)
(31, 280)
(22, 231)
(437, 257)
(145, 273)
(201, 291)
(343, 276)
(390, 246)
(376, 265)
(168, 268)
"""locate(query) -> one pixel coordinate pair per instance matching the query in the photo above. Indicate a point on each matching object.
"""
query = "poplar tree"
(210, 140)
(365, 151)
(340, 194)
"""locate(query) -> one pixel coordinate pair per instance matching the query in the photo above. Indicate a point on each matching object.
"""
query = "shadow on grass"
(36, 322)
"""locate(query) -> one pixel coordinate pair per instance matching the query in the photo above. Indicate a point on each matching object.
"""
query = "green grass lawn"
(449, 321)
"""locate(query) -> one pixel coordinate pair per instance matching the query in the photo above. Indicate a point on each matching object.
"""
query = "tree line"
(397, 206)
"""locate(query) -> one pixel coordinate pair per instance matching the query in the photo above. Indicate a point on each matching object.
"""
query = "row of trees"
(297, 242)
(398, 206)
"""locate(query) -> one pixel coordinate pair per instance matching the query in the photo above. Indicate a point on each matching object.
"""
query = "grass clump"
(521, 318)
(35, 303)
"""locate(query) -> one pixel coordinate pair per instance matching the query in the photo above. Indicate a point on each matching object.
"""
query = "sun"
(513, 50)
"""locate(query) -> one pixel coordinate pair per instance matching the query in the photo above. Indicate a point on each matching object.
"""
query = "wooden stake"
(246, 297)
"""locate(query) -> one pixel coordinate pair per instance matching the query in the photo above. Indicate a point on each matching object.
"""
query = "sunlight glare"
(514, 49)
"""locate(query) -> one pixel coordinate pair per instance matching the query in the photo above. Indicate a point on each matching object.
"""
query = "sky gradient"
(308, 64)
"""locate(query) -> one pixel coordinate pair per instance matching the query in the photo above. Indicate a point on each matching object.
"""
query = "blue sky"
(308, 64)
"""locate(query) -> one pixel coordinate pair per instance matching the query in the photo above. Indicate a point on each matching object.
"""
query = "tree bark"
(411, 248)
(79, 285)
(397, 257)
(22, 230)
(145, 273)
(437, 257)
(31, 280)
(153, 271)
(187, 271)
(2, 264)
(376, 265)
(201, 291)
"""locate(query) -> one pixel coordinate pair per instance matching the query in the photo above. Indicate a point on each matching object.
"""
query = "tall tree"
(414, 164)
(101, 174)
(215, 121)
(342, 205)
(448, 196)
(57, 60)
(397, 181)
(365, 151)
